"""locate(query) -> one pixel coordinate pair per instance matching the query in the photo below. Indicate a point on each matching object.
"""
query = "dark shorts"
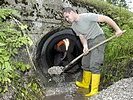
(95, 58)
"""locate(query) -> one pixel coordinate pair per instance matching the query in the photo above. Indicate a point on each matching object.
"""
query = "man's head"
(70, 14)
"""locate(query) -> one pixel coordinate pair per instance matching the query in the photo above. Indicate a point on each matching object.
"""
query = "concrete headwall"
(41, 16)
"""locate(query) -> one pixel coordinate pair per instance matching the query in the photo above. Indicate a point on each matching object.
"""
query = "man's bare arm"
(84, 43)
(110, 22)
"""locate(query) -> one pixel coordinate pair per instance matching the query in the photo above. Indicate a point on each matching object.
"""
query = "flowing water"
(63, 90)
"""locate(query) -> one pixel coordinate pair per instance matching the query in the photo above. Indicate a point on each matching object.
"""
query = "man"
(87, 28)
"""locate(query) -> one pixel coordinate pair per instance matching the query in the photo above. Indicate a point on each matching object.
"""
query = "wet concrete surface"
(67, 91)
(66, 97)
(64, 90)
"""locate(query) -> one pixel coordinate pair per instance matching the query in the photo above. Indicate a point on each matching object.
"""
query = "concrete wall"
(41, 16)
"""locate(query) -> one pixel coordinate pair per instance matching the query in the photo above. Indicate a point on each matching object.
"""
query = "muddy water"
(66, 97)
(63, 90)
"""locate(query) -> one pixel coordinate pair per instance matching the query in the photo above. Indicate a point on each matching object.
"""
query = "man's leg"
(96, 60)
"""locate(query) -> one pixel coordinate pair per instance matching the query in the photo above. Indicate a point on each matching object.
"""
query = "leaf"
(23, 68)
(1, 89)
(7, 66)
(2, 44)
(6, 58)
(6, 79)
(6, 88)
(15, 51)
(34, 86)
(2, 16)
(1, 60)
(28, 67)
(29, 85)
(1, 50)
(2, 33)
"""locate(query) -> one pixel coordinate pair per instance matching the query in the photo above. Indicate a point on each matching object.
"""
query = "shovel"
(60, 69)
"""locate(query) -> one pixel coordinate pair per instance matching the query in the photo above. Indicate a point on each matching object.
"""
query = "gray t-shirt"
(87, 25)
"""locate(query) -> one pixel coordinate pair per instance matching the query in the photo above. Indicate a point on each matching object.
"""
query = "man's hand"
(119, 33)
(85, 50)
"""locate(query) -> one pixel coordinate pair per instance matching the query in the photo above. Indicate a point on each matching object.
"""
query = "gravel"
(121, 90)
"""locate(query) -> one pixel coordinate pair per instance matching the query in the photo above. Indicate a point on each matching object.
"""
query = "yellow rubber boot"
(85, 80)
(94, 84)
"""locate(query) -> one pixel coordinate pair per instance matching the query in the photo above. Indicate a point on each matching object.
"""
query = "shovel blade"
(57, 70)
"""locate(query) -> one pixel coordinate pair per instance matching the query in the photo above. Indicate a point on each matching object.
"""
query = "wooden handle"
(74, 60)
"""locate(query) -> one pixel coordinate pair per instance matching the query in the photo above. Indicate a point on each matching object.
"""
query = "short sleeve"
(91, 16)
(77, 33)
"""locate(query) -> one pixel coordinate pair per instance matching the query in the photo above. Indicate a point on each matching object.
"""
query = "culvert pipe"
(47, 54)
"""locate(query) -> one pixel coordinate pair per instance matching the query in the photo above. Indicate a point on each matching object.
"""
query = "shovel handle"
(81, 55)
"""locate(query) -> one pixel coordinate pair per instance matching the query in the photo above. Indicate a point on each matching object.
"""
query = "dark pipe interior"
(46, 53)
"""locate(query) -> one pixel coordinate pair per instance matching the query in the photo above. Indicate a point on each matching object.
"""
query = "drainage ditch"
(48, 54)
